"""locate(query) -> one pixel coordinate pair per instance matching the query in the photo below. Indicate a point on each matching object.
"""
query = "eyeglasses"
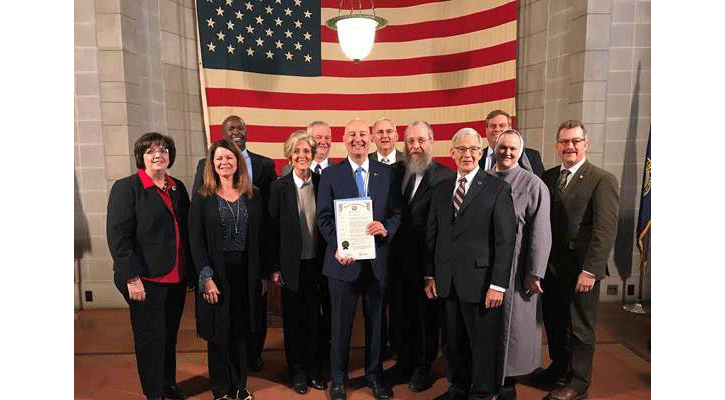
(163, 151)
(463, 149)
(566, 142)
(420, 141)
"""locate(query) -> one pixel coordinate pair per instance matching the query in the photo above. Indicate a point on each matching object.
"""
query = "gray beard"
(418, 166)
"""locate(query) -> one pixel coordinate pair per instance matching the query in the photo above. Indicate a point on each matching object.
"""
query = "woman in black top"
(296, 253)
(147, 238)
(225, 224)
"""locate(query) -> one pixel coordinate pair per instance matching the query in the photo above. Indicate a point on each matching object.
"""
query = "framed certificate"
(351, 219)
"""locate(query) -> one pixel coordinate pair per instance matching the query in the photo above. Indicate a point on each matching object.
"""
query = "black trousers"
(301, 317)
(255, 345)
(417, 319)
(471, 349)
(570, 320)
(155, 323)
(343, 300)
(228, 361)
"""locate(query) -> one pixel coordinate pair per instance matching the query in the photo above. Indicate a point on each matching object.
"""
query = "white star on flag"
(287, 11)
(288, 33)
(240, 38)
(211, 46)
(260, 20)
(210, 23)
(230, 25)
(308, 14)
(307, 36)
(260, 42)
(298, 2)
(270, 54)
(221, 36)
(278, 21)
(250, 51)
(219, 11)
(308, 58)
(269, 32)
(230, 49)
(239, 15)
(250, 29)
(249, 6)
(269, 10)
(298, 46)
(278, 44)
(298, 24)
(288, 55)
(229, 2)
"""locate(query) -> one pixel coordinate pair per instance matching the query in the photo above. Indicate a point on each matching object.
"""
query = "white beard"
(417, 166)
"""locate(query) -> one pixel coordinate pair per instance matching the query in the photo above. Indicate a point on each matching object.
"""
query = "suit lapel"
(348, 180)
(373, 180)
(256, 167)
(577, 179)
(479, 182)
(424, 183)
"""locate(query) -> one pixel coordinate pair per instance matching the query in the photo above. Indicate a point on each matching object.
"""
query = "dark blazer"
(287, 168)
(409, 244)
(262, 171)
(206, 238)
(338, 182)
(477, 248)
(583, 220)
(140, 229)
(398, 156)
(284, 220)
(530, 160)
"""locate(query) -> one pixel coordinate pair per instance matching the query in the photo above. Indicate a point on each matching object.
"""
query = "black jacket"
(140, 229)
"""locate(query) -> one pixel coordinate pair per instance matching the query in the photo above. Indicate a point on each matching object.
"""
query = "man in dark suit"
(357, 176)
(322, 134)
(584, 208)
(261, 169)
(385, 135)
(497, 122)
(471, 235)
(416, 317)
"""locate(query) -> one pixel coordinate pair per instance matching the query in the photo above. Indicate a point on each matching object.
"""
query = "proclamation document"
(351, 218)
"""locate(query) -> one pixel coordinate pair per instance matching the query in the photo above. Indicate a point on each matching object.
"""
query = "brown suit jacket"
(583, 221)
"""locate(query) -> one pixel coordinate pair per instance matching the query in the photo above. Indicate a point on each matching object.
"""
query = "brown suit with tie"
(584, 227)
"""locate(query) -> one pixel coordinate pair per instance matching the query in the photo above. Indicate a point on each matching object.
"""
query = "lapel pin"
(581, 176)
(479, 183)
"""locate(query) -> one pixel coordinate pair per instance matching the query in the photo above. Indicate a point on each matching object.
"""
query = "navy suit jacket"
(338, 182)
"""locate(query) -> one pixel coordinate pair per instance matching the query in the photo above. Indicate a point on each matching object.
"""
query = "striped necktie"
(458, 196)
(561, 181)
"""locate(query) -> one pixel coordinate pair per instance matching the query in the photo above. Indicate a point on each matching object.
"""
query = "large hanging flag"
(645, 203)
(275, 64)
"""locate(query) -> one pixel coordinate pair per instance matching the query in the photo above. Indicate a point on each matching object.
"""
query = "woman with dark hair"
(147, 237)
(226, 222)
(297, 250)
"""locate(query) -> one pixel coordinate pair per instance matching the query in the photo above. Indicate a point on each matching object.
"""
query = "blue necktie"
(359, 181)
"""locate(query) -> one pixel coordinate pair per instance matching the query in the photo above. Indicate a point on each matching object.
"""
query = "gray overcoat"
(521, 334)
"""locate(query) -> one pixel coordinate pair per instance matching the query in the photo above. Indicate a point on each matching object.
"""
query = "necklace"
(235, 218)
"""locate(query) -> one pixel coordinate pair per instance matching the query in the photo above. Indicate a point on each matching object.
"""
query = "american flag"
(275, 64)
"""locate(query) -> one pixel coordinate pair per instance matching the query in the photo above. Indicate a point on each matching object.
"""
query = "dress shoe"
(173, 392)
(244, 394)
(420, 380)
(317, 383)
(566, 393)
(337, 391)
(545, 378)
(508, 390)
(380, 390)
(300, 387)
(398, 374)
(256, 365)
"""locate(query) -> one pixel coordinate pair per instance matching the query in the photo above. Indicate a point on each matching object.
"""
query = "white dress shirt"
(390, 157)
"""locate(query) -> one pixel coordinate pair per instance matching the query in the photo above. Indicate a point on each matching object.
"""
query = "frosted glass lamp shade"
(356, 36)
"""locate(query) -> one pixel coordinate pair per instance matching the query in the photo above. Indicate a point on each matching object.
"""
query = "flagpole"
(637, 307)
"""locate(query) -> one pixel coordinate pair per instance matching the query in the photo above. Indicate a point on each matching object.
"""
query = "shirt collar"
(147, 182)
(575, 167)
(322, 164)
(390, 157)
(469, 176)
(298, 181)
(245, 153)
(365, 165)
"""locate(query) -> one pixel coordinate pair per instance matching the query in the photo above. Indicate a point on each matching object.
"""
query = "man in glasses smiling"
(471, 236)
(584, 208)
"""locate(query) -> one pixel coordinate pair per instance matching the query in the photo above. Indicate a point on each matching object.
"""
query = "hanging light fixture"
(356, 31)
